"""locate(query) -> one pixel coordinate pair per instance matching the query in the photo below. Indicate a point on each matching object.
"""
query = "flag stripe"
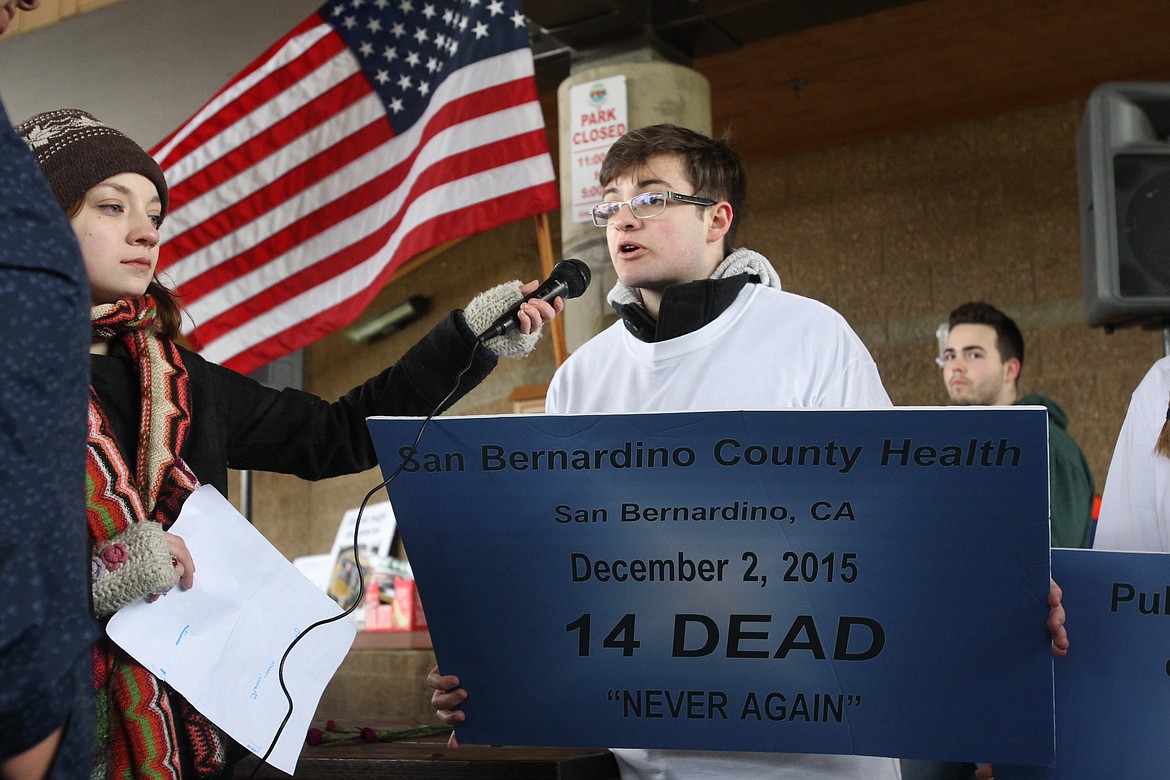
(296, 127)
(346, 287)
(473, 80)
(216, 314)
(234, 199)
(368, 134)
(300, 333)
(342, 195)
(473, 85)
(246, 118)
(286, 53)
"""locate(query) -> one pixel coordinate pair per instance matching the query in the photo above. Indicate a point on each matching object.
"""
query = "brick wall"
(897, 231)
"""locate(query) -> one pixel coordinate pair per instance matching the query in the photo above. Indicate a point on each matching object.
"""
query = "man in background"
(981, 361)
(981, 365)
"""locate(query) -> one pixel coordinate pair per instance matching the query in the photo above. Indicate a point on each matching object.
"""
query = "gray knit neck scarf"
(741, 261)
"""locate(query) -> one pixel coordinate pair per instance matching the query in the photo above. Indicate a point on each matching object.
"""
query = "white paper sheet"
(220, 643)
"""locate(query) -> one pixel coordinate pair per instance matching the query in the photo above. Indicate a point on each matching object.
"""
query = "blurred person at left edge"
(46, 631)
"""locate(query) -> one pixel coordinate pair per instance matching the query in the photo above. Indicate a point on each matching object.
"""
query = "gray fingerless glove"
(490, 304)
(133, 565)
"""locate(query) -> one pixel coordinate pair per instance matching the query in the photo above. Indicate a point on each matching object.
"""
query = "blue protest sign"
(1113, 688)
(818, 581)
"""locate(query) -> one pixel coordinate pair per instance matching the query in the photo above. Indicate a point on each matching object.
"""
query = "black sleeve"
(293, 432)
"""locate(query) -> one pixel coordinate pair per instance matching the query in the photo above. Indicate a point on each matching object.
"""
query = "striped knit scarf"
(145, 730)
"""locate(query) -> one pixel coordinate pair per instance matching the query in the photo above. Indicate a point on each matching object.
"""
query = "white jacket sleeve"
(1135, 504)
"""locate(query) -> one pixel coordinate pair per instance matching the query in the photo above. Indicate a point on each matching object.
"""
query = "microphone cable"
(357, 561)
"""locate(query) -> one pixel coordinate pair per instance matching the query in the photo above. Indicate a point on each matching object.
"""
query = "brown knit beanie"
(77, 152)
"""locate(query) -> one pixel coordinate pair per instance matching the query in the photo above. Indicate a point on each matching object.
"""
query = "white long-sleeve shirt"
(768, 350)
(1135, 505)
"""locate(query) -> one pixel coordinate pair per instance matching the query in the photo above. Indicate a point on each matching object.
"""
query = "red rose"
(331, 725)
(315, 737)
(369, 735)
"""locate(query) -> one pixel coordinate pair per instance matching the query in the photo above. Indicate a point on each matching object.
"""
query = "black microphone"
(568, 279)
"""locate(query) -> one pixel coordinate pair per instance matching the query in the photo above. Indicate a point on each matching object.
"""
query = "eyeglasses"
(644, 206)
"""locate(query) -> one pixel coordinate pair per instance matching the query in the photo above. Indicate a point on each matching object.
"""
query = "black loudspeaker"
(1123, 174)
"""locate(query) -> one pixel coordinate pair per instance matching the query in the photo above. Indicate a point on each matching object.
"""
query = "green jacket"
(1070, 485)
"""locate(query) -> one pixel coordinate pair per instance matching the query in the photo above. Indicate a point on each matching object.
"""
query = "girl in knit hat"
(162, 421)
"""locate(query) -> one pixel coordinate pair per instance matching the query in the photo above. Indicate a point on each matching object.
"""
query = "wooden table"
(429, 759)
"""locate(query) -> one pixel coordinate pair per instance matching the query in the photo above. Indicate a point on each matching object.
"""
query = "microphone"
(568, 279)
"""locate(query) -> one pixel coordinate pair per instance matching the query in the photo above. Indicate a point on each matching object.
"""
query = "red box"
(378, 616)
(407, 607)
(404, 613)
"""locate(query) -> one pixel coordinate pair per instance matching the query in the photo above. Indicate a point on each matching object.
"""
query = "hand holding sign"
(738, 580)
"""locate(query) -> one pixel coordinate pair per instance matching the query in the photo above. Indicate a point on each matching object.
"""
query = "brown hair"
(715, 169)
(1008, 339)
(1162, 445)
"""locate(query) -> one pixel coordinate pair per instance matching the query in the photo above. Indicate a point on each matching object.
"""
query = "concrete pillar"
(657, 91)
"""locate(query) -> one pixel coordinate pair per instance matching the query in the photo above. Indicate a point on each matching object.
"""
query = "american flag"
(373, 131)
